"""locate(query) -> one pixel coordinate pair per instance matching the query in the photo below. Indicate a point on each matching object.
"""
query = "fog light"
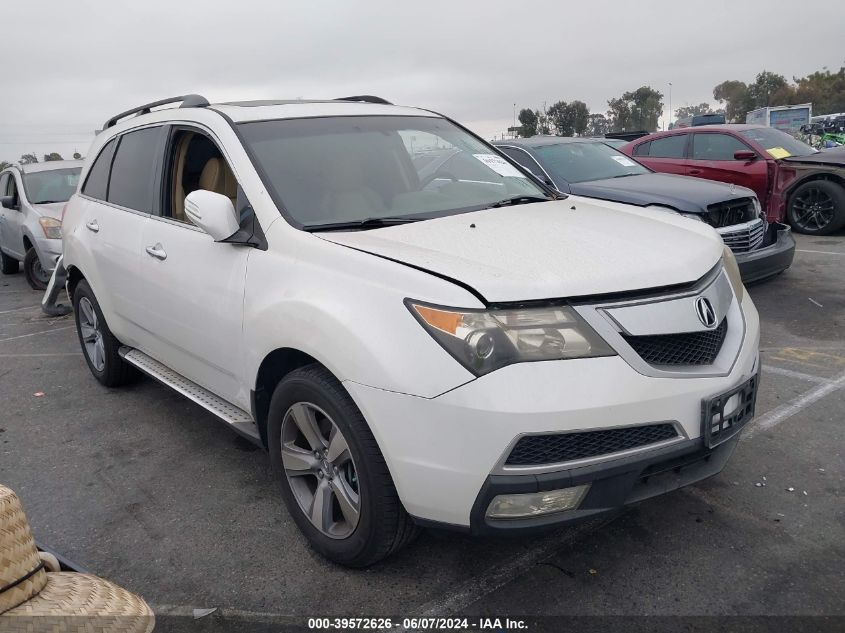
(536, 503)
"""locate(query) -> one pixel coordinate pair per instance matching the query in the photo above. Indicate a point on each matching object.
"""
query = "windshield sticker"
(778, 152)
(624, 161)
(499, 165)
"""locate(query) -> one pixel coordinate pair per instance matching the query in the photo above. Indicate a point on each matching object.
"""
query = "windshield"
(776, 143)
(580, 162)
(55, 185)
(332, 170)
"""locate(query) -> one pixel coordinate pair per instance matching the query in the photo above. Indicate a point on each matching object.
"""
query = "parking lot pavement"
(145, 488)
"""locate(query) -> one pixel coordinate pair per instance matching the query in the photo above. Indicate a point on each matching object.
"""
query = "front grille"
(730, 212)
(688, 348)
(533, 450)
(745, 237)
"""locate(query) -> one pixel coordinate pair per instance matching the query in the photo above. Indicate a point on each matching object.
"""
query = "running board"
(237, 418)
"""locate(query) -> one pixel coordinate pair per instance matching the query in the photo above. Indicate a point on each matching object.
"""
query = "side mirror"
(213, 213)
(744, 154)
(8, 202)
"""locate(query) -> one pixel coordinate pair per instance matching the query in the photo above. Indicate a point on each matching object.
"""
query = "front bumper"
(769, 260)
(446, 454)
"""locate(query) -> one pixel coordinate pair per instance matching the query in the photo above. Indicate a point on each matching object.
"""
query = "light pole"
(514, 119)
(670, 103)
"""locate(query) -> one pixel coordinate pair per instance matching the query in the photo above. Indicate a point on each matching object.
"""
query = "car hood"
(834, 157)
(568, 248)
(682, 193)
(50, 210)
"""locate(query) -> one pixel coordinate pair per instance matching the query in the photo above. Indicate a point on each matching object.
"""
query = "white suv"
(414, 345)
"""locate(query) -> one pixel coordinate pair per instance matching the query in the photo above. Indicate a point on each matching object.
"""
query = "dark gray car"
(589, 167)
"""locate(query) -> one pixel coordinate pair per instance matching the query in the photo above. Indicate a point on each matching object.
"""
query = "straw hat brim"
(80, 602)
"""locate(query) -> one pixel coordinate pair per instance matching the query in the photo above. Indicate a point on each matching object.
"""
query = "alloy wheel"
(92, 335)
(320, 470)
(813, 210)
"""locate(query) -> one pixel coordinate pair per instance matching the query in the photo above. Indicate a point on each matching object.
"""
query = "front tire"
(9, 264)
(332, 475)
(99, 346)
(817, 208)
(35, 274)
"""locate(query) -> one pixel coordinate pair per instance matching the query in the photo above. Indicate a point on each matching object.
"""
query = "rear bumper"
(769, 260)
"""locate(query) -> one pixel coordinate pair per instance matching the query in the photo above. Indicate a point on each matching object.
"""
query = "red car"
(790, 178)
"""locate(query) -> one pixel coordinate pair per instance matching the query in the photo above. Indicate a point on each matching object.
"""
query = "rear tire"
(381, 525)
(34, 271)
(817, 208)
(10, 264)
(99, 346)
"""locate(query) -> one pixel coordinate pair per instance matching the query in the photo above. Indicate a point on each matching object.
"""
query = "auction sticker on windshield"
(499, 165)
(778, 152)
(624, 161)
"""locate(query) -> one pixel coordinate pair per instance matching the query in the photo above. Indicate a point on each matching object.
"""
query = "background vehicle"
(32, 198)
(790, 178)
(587, 167)
(698, 119)
(787, 118)
(364, 289)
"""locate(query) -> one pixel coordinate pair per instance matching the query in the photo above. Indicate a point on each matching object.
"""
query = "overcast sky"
(70, 64)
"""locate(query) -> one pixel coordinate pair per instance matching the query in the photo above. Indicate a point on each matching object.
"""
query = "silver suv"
(31, 201)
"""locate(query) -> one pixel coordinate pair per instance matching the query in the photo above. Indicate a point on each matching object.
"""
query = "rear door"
(712, 157)
(665, 154)
(119, 194)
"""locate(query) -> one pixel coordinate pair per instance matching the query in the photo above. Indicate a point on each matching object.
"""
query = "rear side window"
(97, 183)
(133, 170)
(715, 146)
(668, 146)
(642, 149)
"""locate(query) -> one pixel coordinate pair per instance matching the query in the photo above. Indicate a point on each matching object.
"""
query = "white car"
(463, 349)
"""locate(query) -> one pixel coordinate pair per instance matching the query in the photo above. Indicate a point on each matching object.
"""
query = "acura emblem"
(704, 310)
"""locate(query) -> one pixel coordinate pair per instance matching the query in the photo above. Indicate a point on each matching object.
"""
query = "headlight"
(52, 228)
(731, 267)
(485, 340)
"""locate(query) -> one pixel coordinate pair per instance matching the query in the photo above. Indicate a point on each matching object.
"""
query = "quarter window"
(523, 158)
(97, 182)
(668, 146)
(642, 149)
(715, 146)
(132, 174)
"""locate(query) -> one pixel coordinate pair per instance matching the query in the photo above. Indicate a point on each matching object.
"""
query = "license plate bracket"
(717, 426)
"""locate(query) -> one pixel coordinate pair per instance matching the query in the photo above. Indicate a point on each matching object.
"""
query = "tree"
(528, 119)
(28, 159)
(824, 89)
(580, 115)
(597, 125)
(52, 156)
(736, 97)
(559, 116)
(769, 89)
(637, 110)
(4, 164)
(696, 110)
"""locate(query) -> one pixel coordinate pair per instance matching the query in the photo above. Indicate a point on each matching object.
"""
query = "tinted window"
(3, 180)
(524, 159)
(642, 149)
(97, 183)
(715, 146)
(668, 146)
(131, 182)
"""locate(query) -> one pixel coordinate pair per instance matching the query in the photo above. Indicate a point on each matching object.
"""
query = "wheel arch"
(817, 175)
(74, 276)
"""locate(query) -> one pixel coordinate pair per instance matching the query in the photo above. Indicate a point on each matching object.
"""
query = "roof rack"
(365, 99)
(188, 101)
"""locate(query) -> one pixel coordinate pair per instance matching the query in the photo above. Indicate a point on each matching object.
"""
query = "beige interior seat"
(178, 202)
(217, 177)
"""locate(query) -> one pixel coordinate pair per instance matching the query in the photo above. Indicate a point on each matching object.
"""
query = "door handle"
(157, 251)
(93, 226)
(694, 172)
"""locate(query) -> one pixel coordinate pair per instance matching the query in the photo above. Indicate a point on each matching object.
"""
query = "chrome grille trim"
(742, 238)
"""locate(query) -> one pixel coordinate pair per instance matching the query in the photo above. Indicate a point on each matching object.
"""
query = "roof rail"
(365, 99)
(188, 101)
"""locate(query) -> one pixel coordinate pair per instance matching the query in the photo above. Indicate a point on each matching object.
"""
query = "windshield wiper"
(360, 225)
(518, 200)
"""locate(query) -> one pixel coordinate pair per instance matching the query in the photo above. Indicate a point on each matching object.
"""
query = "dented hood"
(568, 248)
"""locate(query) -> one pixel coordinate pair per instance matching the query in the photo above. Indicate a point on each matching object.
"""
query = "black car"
(589, 167)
